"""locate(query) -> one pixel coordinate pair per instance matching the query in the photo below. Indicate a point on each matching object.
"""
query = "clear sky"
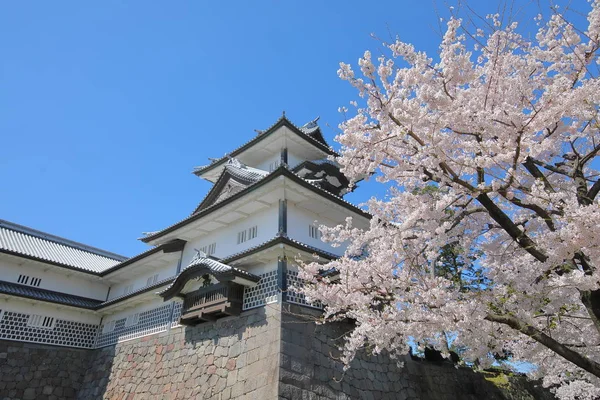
(105, 107)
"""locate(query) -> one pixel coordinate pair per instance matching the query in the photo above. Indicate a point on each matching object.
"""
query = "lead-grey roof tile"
(16, 289)
(20, 240)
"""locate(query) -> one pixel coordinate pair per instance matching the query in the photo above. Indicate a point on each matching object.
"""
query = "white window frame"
(109, 327)
(132, 320)
(41, 321)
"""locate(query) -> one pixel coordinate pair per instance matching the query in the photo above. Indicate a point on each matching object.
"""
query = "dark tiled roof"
(135, 293)
(276, 240)
(30, 292)
(242, 174)
(29, 243)
(308, 132)
(282, 170)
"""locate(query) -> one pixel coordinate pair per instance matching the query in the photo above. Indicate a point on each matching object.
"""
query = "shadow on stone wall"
(310, 368)
(98, 373)
(37, 371)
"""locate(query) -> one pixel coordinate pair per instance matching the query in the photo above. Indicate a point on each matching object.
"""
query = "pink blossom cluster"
(491, 147)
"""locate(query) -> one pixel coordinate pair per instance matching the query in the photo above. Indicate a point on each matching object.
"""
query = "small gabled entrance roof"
(202, 265)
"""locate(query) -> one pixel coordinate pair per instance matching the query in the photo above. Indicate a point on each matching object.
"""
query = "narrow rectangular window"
(241, 237)
(132, 320)
(106, 328)
(209, 249)
(28, 280)
(128, 289)
(314, 232)
(39, 321)
(252, 232)
(274, 165)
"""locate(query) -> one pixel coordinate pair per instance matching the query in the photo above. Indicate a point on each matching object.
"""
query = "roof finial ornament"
(283, 114)
(311, 124)
(235, 162)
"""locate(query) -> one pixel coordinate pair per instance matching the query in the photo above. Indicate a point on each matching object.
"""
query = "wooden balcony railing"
(212, 302)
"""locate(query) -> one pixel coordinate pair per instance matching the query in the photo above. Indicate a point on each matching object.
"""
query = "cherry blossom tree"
(506, 129)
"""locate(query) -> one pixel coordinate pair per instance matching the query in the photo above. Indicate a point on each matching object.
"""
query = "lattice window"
(265, 292)
(293, 296)
(148, 322)
(29, 280)
(14, 326)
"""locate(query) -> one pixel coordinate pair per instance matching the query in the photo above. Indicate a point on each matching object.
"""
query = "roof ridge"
(60, 240)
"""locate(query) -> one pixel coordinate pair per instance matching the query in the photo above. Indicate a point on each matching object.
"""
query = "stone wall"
(271, 352)
(310, 369)
(232, 358)
(36, 371)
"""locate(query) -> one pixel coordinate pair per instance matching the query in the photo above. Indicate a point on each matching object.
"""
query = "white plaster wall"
(299, 221)
(226, 237)
(264, 165)
(46, 309)
(263, 268)
(54, 279)
(141, 279)
(294, 160)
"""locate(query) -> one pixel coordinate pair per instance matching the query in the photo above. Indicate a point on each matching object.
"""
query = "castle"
(210, 310)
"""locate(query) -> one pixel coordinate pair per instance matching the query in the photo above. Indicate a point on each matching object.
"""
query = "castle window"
(314, 232)
(252, 232)
(40, 321)
(29, 280)
(274, 165)
(152, 280)
(247, 234)
(132, 320)
(106, 328)
(241, 237)
(128, 289)
(209, 249)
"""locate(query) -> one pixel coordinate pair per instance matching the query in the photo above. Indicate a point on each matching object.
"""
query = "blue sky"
(105, 107)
